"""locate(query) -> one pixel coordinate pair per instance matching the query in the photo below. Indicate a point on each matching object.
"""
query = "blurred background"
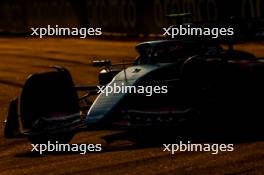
(118, 17)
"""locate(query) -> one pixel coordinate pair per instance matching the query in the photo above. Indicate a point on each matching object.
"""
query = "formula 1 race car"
(187, 85)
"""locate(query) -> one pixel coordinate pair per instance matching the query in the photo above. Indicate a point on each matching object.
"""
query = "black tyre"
(49, 94)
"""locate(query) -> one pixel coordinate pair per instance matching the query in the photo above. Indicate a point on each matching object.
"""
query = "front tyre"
(47, 101)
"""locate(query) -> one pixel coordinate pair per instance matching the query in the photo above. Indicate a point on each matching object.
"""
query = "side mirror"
(101, 63)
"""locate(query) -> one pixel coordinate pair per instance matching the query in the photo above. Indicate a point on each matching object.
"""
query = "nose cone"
(106, 103)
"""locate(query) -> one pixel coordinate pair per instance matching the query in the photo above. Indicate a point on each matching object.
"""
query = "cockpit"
(168, 51)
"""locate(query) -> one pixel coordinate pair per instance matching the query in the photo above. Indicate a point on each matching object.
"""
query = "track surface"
(19, 57)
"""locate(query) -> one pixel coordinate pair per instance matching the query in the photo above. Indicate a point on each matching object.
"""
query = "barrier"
(132, 17)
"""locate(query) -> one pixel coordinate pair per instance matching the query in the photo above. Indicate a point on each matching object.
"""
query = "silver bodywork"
(103, 104)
